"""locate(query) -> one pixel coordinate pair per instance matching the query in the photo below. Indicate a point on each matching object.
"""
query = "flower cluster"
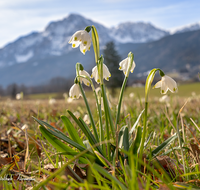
(81, 38)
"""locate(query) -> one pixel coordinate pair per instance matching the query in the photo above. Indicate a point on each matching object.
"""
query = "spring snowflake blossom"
(81, 38)
(95, 74)
(124, 66)
(166, 83)
(75, 91)
(84, 73)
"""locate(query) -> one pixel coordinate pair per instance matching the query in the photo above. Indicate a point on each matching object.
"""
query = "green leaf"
(124, 138)
(71, 130)
(136, 123)
(60, 135)
(163, 145)
(86, 131)
(109, 176)
(95, 41)
(137, 141)
(60, 146)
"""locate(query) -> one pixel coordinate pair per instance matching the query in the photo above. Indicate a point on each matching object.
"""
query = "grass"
(43, 158)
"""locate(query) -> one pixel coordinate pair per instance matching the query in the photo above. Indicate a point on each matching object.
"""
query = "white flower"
(85, 81)
(124, 66)
(81, 38)
(106, 73)
(166, 83)
(18, 96)
(131, 95)
(164, 98)
(75, 91)
(52, 101)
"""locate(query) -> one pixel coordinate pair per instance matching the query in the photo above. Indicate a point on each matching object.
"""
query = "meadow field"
(25, 154)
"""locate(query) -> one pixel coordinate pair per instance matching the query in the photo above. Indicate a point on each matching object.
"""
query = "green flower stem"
(99, 112)
(144, 131)
(182, 155)
(89, 112)
(107, 110)
(120, 101)
(95, 41)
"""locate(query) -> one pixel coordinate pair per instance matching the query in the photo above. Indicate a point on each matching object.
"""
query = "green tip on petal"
(107, 78)
(75, 96)
(110, 75)
(75, 38)
(162, 91)
(174, 89)
(88, 84)
(85, 42)
(73, 45)
(120, 67)
(98, 80)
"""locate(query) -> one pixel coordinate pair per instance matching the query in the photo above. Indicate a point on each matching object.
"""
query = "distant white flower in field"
(75, 91)
(95, 74)
(69, 100)
(65, 95)
(164, 98)
(85, 81)
(131, 95)
(77, 114)
(124, 66)
(86, 119)
(24, 127)
(52, 101)
(193, 93)
(81, 38)
(18, 96)
(166, 83)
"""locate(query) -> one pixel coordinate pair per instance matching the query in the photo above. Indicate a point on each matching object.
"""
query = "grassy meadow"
(26, 154)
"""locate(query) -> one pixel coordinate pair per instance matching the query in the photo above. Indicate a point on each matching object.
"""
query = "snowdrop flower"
(164, 98)
(75, 91)
(81, 38)
(131, 95)
(85, 81)
(52, 101)
(86, 119)
(124, 66)
(95, 74)
(18, 96)
(166, 83)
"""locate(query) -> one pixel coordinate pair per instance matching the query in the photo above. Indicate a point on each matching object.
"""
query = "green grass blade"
(56, 143)
(71, 130)
(136, 123)
(109, 176)
(60, 135)
(137, 141)
(163, 145)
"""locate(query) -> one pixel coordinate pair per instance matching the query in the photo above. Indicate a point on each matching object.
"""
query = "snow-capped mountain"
(53, 41)
(189, 28)
(137, 32)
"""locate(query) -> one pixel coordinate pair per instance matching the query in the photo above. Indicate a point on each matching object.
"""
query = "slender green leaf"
(71, 130)
(136, 123)
(109, 176)
(137, 141)
(56, 143)
(60, 135)
(163, 145)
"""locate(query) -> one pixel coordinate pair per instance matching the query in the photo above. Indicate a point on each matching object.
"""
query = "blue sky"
(20, 17)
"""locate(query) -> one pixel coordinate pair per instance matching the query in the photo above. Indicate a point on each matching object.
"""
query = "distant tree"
(112, 60)
(12, 90)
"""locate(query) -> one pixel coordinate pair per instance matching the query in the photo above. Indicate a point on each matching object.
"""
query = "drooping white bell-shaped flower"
(124, 66)
(75, 92)
(81, 38)
(166, 83)
(95, 74)
(84, 73)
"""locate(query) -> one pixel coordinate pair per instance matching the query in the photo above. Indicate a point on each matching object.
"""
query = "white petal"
(133, 67)
(75, 91)
(75, 37)
(85, 81)
(106, 72)
(171, 83)
(95, 74)
(164, 88)
(158, 84)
